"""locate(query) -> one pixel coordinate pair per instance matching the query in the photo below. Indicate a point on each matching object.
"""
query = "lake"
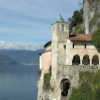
(18, 83)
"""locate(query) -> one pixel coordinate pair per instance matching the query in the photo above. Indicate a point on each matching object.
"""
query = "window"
(95, 60)
(86, 60)
(64, 46)
(76, 60)
(73, 45)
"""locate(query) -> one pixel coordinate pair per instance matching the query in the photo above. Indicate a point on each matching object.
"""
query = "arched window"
(95, 60)
(86, 60)
(76, 60)
(65, 85)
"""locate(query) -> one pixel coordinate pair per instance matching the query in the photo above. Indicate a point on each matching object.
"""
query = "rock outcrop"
(91, 15)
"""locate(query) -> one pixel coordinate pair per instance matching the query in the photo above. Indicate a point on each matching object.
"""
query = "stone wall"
(45, 60)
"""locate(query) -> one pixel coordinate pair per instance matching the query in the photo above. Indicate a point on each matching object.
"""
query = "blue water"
(19, 83)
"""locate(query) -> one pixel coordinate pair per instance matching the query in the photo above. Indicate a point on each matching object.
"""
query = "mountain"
(91, 10)
(5, 59)
(21, 56)
(20, 45)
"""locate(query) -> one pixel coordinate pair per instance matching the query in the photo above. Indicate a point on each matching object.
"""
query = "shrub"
(89, 88)
(47, 78)
(84, 92)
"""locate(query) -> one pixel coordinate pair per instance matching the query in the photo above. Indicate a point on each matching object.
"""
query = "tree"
(96, 39)
(76, 19)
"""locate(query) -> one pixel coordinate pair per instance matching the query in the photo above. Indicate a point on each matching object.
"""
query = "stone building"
(67, 55)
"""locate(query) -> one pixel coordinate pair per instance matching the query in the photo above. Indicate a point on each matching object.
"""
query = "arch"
(86, 60)
(95, 60)
(76, 60)
(65, 85)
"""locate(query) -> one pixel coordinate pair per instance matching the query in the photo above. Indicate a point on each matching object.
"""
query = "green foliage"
(47, 78)
(84, 92)
(86, 77)
(92, 1)
(96, 39)
(89, 88)
(78, 29)
(76, 19)
(93, 21)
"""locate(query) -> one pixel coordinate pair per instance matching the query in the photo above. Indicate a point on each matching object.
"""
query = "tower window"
(64, 46)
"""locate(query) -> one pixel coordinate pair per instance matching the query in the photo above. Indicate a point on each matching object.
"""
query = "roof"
(45, 51)
(60, 19)
(47, 44)
(81, 37)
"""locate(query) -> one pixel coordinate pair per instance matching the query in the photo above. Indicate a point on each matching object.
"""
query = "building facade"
(68, 56)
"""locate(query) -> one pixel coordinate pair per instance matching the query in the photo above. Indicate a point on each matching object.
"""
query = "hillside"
(5, 59)
(89, 88)
(21, 56)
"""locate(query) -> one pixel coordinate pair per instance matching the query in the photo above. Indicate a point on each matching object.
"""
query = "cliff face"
(91, 16)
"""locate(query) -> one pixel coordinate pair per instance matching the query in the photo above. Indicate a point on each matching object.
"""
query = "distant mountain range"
(20, 45)
(19, 56)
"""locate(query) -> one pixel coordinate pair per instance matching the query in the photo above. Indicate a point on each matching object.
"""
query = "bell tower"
(60, 33)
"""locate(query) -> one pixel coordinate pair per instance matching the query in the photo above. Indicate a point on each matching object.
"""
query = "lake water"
(16, 84)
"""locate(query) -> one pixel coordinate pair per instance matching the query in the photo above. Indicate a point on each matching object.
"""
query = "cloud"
(22, 20)
(20, 45)
(40, 8)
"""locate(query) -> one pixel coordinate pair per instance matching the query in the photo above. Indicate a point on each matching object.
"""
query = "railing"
(82, 67)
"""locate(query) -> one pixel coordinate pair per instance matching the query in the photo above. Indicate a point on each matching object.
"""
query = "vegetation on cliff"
(89, 88)
(47, 78)
(96, 39)
(91, 1)
(76, 22)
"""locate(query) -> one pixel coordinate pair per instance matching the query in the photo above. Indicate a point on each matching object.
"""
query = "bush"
(47, 78)
(89, 88)
(96, 39)
(84, 92)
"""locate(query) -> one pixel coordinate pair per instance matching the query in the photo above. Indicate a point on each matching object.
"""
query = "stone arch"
(86, 60)
(95, 60)
(65, 86)
(76, 60)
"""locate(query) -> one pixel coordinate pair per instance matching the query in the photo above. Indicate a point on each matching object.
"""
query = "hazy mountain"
(5, 59)
(20, 56)
(20, 45)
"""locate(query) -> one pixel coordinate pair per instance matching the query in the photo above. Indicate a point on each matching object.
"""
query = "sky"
(29, 21)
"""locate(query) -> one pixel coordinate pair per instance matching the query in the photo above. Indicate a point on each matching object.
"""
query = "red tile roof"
(81, 37)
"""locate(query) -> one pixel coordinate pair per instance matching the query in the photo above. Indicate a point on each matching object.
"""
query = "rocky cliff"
(91, 15)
